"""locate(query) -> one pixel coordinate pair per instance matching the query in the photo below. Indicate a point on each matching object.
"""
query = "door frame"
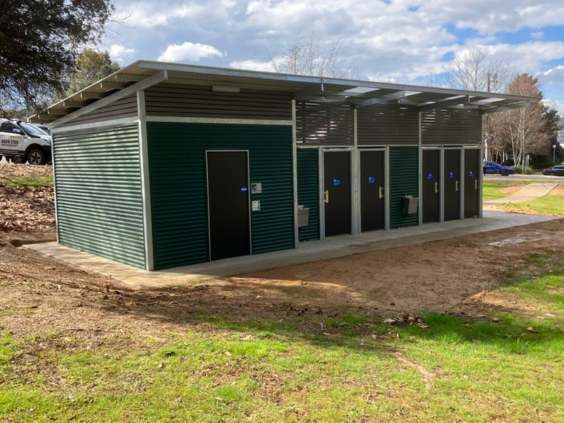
(441, 182)
(460, 182)
(322, 151)
(386, 151)
(480, 177)
(247, 152)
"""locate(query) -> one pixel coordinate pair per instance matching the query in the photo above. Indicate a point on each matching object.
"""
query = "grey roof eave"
(301, 86)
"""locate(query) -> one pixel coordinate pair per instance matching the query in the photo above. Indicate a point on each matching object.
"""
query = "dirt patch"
(558, 190)
(512, 189)
(40, 296)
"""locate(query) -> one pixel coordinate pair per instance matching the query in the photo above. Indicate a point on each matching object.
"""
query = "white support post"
(145, 181)
(420, 173)
(295, 175)
(355, 171)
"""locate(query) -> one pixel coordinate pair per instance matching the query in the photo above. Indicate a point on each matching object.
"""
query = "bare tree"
(475, 71)
(310, 57)
(525, 131)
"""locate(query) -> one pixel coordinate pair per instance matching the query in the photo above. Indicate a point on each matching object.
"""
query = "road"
(536, 177)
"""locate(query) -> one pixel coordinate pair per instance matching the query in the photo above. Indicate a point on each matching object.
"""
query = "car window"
(32, 129)
(10, 128)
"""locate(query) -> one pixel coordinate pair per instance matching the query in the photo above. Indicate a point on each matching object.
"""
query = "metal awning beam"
(111, 84)
(379, 100)
(317, 90)
(504, 108)
(87, 94)
(465, 99)
(70, 103)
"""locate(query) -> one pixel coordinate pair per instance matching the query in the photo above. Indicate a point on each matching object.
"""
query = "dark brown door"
(431, 186)
(372, 190)
(228, 202)
(337, 181)
(452, 184)
(471, 183)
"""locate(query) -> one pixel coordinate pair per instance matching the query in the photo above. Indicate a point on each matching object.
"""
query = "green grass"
(343, 367)
(26, 181)
(552, 204)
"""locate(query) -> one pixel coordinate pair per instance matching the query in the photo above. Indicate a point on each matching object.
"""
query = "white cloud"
(555, 104)
(555, 74)
(188, 51)
(537, 35)
(120, 53)
(253, 65)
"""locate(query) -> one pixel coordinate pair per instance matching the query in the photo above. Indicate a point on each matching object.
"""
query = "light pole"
(553, 153)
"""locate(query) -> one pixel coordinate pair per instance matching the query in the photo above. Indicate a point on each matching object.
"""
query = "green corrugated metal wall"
(177, 166)
(404, 165)
(99, 196)
(308, 190)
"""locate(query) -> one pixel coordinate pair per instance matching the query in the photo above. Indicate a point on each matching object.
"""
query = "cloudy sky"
(404, 41)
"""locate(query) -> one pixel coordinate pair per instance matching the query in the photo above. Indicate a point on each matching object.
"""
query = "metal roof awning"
(143, 74)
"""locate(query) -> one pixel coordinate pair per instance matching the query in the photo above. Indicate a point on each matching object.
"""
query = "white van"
(23, 142)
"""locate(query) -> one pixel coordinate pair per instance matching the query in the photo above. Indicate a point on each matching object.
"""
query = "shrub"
(521, 170)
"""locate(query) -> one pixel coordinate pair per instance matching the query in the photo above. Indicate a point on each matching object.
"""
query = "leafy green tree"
(39, 43)
(91, 66)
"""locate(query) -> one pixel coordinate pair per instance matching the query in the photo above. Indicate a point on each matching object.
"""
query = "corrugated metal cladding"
(99, 197)
(451, 126)
(324, 123)
(177, 166)
(308, 190)
(180, 100)
(384, 125)
(404, 175)
(123, 108)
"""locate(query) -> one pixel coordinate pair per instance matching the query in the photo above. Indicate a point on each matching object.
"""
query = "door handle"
(380, 192)
(436, 187)
(475, 184)
(327, 197)
(457, 186)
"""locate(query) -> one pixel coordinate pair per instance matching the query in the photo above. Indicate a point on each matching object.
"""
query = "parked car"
(22, 142)
(556, 170)
(493, 167)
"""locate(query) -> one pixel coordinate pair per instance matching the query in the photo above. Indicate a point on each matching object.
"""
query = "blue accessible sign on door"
(244, 189)
(451, 175)
(337, 182)
(471, 174)
(429, 176)
(371, 180)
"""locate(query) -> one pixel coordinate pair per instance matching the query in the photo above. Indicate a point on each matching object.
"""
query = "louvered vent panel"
(99, 197)
(176, 100)
(125, 107)
(324, 123)
(404, 165)
(386, 124)
(451, 127)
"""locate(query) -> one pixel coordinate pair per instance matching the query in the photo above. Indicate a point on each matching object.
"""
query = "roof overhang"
(143, 74)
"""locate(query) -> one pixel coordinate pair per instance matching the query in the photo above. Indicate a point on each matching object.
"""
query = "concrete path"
(338, 246)
(527, 193)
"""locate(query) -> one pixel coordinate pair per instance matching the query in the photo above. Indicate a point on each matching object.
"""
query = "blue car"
(494, 168)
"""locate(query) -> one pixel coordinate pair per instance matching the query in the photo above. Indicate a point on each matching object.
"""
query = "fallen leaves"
(26, 209)
(407, 319)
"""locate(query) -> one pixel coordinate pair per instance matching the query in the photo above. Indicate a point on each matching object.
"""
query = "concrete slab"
(527, 193)
(307, 252)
